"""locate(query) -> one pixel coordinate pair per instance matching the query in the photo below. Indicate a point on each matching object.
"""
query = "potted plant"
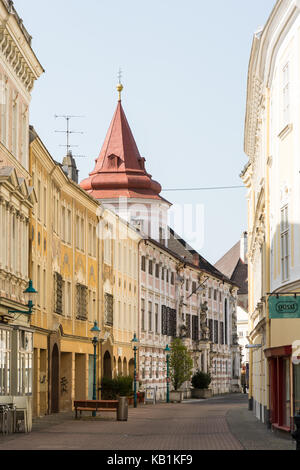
(201, 382)
(181, 365)
(121, 386)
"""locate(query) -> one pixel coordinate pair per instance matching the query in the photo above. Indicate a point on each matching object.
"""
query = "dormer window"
(113, 161)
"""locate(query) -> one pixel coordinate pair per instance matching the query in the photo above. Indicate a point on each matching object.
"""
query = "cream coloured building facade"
(272, 131)
(19, 69)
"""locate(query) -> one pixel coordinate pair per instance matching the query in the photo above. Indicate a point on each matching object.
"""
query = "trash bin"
(12, 418)
(122, 413)
(4, 419)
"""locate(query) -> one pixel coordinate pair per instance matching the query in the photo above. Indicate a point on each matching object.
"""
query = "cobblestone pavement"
(220, 423)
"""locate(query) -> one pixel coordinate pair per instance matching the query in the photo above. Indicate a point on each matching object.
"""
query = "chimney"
(196, 259)
(70, 168)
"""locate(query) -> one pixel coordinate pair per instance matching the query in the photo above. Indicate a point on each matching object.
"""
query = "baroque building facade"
(167, 270)
(272, 178)
(19, 69)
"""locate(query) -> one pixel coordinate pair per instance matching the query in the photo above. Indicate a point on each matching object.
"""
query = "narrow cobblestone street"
(220, 423)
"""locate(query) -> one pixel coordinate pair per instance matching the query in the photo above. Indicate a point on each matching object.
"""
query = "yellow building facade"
(85, 269)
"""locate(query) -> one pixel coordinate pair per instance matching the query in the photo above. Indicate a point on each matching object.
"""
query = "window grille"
(58, 294)
(109, 309)
(81, 302)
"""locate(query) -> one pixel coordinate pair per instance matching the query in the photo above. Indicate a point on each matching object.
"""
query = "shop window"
(296, 372)
(25, 363)
(5, 361)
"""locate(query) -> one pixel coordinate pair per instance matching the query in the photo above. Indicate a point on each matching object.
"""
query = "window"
(81, 300)
(15, 126)
(187, 285)
(5, 361)
(69, 240)
(150, 317)
(24, 140)
(225, 322)
(63, 223)
(211, 333)
(45, 206)
(143, 313)
(286, 95)
(39, 198)
(107, 247)
(209, 292)
(221, 332)
(156, 318)
(157, 270)
(188, 325)
(163, 274)
(194, 287)
(216, 331)
(284, 236)
(109, 309)
(150, 267)
(168, 321)
(195, 328)
(215, 294)
(25, 362)
(4, 108)
(58, 294)
(172, 279)
(143, 264)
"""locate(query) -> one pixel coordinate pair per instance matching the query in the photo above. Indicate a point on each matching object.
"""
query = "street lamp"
(96, 331)
(167, 350)
(30, 292)
(135, 346)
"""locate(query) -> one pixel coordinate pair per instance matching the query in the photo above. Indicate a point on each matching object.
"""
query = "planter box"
(176, 396)
(201, 393)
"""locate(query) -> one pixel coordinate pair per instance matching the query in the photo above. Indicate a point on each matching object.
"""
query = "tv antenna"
(68, 132)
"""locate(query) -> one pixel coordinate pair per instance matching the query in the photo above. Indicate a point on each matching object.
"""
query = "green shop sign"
(284, 307)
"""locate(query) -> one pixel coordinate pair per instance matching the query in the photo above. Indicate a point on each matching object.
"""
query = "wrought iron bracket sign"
(282, 307)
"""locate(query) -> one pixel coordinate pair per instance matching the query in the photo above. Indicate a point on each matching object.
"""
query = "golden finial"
(120, 86)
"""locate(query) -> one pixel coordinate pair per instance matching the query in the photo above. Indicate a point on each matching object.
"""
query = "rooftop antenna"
(68, 132)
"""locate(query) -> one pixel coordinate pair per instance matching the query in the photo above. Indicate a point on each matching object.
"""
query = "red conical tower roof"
(120, 169)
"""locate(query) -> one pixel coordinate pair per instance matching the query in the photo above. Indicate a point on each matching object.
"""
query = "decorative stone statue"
(203, 322)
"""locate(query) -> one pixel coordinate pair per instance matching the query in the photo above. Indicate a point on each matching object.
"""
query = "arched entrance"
(107, 366)
(119, 366)
(115, 368)
(55, 380)
(131, 367)
(124, 366)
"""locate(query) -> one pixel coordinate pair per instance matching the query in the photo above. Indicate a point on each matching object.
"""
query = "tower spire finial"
(120, 86)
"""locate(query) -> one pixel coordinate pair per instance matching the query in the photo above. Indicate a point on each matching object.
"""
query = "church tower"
(120, 180)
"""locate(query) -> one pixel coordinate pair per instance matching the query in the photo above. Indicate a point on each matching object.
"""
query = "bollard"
(296, 434)
(122, 413)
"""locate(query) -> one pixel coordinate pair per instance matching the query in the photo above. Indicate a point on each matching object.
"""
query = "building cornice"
(15, 47)
(265, 46)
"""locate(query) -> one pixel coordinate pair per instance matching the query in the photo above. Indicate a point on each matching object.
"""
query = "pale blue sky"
(185, 73)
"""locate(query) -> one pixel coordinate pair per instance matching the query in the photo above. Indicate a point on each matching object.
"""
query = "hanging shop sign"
(284, 307)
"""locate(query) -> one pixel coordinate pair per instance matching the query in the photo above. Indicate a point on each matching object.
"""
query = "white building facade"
(272, 133)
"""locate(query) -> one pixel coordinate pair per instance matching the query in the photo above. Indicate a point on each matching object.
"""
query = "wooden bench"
(95, 406)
